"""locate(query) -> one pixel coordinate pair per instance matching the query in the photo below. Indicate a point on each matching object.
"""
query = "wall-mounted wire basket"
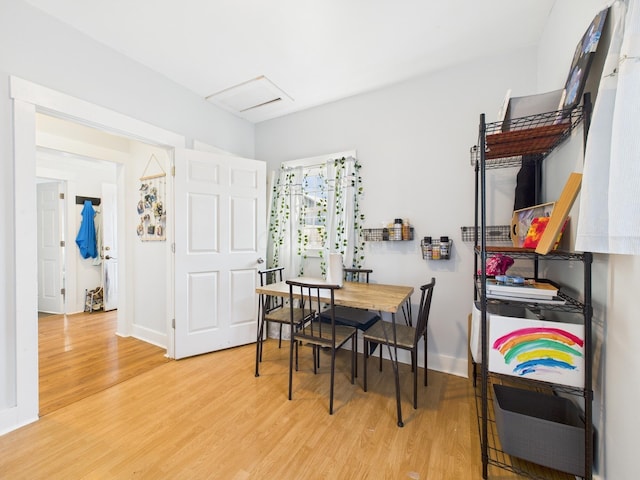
(494, 234)
(387, 234)
(436, 249)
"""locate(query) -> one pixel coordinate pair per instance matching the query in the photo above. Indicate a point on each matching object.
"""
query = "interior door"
(50, 248)
(220, 238)
(109, 253)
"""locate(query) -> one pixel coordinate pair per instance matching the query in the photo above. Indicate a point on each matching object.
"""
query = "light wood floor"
(209, 417)
(80, 355)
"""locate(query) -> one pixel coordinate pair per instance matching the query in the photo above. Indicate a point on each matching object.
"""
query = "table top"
(370, 296)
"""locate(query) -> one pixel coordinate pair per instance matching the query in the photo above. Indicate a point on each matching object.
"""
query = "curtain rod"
(283, 165)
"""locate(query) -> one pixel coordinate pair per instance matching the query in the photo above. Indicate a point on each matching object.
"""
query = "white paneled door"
(220, 238)
(50, 248)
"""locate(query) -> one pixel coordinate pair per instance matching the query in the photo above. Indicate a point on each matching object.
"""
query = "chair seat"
(343, 333)
(404, 334)
(283, 315)
(352, 317)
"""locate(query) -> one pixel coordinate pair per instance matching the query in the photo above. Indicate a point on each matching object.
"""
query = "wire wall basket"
(387, 234)
(494, 234)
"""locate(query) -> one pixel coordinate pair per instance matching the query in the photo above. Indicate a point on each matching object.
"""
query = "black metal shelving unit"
(533, 135)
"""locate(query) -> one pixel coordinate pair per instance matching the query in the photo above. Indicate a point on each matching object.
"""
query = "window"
(315, 211)
(314, 208)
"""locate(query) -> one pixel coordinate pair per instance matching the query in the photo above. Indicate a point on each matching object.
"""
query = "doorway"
(29, 99)
(84, 170)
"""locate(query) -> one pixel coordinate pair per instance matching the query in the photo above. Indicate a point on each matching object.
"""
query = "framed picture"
(522, 219)
(582, 59)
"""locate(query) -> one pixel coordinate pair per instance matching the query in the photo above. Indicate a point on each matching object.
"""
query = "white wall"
(150, 269)
(40, 49)
(413, 140)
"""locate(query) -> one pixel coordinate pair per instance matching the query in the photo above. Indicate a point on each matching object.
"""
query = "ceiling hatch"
(254, 100)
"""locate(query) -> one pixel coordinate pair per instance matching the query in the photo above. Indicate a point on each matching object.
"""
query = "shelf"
(494, 449)
(533, 135)
(572, 305)
(530, 138)
(519, 252)
(386, 235)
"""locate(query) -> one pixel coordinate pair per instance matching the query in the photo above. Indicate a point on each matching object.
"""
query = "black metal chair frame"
(271, 309)
(373, 335)
(317, 333)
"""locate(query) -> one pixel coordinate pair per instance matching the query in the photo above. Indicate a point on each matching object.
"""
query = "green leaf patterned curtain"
(339, 219)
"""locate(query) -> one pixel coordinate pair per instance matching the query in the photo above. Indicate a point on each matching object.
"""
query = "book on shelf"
(539, 299)
(529, 289)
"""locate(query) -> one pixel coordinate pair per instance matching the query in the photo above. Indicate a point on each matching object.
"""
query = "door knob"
(260, 260)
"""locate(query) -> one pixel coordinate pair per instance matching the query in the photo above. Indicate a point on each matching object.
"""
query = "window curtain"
(340, 215)
(609, 220)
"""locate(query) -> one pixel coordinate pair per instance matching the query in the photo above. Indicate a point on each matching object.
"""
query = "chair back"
(357, 274)
(313, 298)
(267, 277)
(425, 306)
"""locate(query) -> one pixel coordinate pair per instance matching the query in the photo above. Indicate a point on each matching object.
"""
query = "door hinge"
(62, 196)
(173, 171)
(62, 243)
(173, 323)
(63, 291)
(173, 248)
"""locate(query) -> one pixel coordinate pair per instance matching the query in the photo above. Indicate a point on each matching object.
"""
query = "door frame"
(28, 99)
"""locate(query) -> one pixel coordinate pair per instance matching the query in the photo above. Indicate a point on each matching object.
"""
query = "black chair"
(318, 333)
(357, 274)
(407, 338)
(271, 309)
(355, 317)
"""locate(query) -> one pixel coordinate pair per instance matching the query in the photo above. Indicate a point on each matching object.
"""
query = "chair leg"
(355, 343)
(414, 361)
(291, 364)
(365, 361)
(381, 345)
(425, 359)
(354, 358)
(259, 347)
(280, 337)
(333, 369)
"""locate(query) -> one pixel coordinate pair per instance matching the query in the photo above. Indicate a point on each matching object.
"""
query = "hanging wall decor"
(151, 206)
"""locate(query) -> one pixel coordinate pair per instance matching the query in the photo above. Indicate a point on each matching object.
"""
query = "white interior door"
(220, 236)
(109, 253)
(50, 248)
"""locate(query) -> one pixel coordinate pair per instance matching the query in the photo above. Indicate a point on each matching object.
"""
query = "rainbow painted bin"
(540, 428)
(537, 350)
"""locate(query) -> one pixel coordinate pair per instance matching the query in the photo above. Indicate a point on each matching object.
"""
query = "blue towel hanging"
(86, 239)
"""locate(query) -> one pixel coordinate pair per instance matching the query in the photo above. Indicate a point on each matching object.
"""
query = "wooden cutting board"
(559, 213)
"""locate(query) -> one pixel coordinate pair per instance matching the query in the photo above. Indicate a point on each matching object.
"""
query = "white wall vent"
(254, 100)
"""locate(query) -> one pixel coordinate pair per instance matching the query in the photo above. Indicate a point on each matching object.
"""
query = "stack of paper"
(530, 291)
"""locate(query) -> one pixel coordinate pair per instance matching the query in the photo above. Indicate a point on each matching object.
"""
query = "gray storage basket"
(540, 428)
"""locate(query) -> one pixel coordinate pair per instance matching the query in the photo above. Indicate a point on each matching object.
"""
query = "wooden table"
(370, 296)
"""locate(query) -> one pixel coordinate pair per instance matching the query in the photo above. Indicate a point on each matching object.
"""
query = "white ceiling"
(313, 51)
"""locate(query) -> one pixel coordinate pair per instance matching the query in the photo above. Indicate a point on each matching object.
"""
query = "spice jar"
(397, 229)
(444, 247)
(427, 248)
(406, 230)
(435, 251)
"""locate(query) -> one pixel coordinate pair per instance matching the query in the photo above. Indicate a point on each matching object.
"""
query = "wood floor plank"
(210, 417)
(81, 354)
